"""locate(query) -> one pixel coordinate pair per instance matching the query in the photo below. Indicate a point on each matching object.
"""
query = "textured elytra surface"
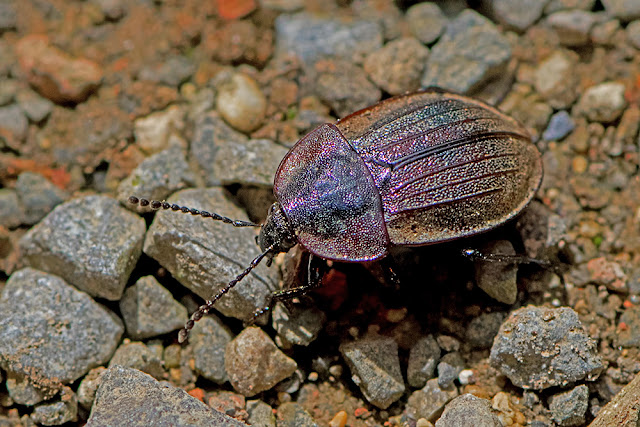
(446, 166)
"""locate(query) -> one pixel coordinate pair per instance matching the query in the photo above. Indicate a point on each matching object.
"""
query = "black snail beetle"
(415, 169)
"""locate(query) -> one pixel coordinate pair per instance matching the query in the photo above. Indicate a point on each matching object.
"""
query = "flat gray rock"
(209, 339)
(204, 255)
(471, 52)
(311, 38)
(149, 310)
(38, 196)
(158, 176)
(132, 398)
(51, 334)
(225, 156)
(92, 242)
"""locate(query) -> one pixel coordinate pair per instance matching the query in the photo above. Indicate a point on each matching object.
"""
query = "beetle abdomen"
(446, 166)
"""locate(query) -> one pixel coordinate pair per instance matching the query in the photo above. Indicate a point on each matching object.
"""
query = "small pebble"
(426, 21)
(518, 14)
(254, 363)
(572, 26)
(560, 125)
(471, 52)
(569, 408)
(468, 410)
(604, 102)
(375, 368)
(429, 401)
(423, 358)
(398, 66)
(633, 33)
(138, 356)
(540, 347)
(209, 340)
(240, 101)
(149, 310)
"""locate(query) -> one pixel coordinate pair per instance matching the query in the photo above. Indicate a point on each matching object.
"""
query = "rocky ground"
(197, 102)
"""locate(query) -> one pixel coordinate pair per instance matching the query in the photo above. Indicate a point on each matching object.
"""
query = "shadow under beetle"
(415, 169)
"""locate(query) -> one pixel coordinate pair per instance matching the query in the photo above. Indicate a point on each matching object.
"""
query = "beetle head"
(276, 232)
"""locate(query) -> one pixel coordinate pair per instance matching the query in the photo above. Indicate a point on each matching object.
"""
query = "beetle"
(415, 169)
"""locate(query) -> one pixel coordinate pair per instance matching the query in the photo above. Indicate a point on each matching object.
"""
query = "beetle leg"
(315, 271)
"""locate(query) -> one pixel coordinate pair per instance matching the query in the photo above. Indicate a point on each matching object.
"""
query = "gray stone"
(225, 156)
(172, 71)
(398, 66)
(312, 38)
(89, 386)
(375, 368)
(8, 90)
(38, 196)
(426, 22)
(625, 10)
(539, 347)
(138, 356)
(260, 414)
(132, 398)
(633, 33)
(11, 210)
(344, 86)
(471, 52)
(429, 401)
(629, 337)
(36, 107)
(62, 410)
(604, 102)
(569, 408)
(149, 310)
(209, 339)
(292, 414)
(299, 326)
(423, 359)
(204, 255)
(560, 125)
(158, 176)
(556, 5)
(14, 122)
(51, 334)
(8, 17)
(555, 79)
(254, 363)
(497, 278)
(91, 242)
(572, 26)
(482, 330)
(468, 411)
(450, 366)
(518, 14)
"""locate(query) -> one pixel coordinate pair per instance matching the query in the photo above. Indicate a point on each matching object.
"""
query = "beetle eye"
(256, 237)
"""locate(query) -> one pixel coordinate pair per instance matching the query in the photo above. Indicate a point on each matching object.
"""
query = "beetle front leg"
(315, 271)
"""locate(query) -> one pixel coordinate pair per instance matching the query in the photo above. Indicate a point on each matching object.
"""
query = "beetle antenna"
(157, 205)
(204, 308)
